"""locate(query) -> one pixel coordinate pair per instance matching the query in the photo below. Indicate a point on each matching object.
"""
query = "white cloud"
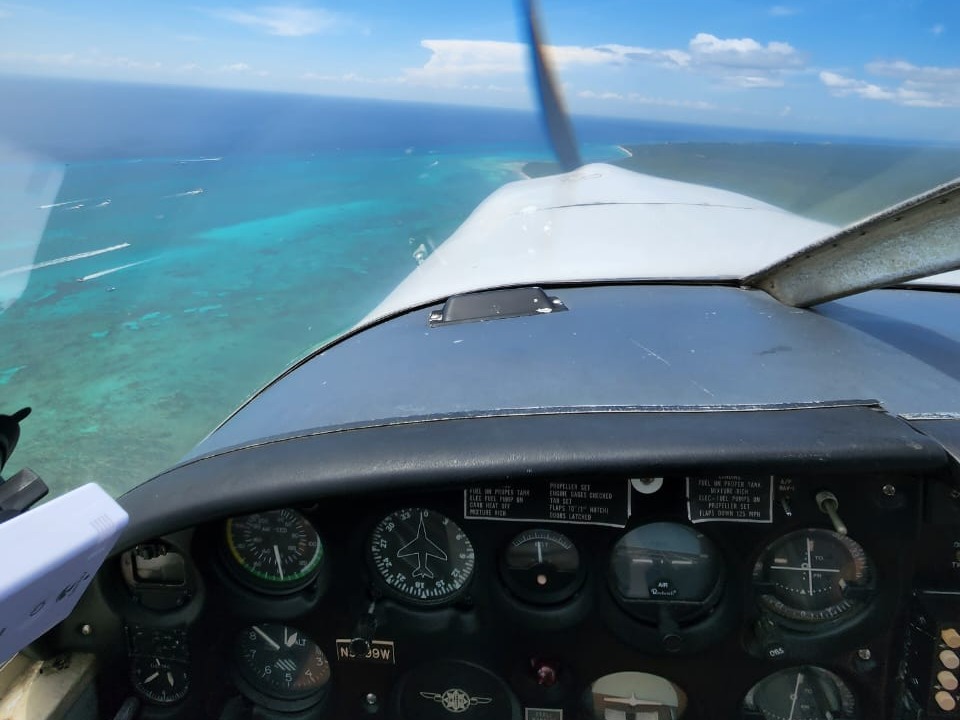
(283, 20)
(931, 87)
(644, 100)
(86, 60)
(708, 49)
(915, 73)
(737, 62)
(783, 11)
(235, 67)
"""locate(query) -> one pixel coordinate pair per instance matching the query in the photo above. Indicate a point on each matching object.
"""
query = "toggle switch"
(828, 504)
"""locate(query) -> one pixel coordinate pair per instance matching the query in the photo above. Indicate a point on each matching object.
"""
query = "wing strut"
(917, 238)
(551, 103)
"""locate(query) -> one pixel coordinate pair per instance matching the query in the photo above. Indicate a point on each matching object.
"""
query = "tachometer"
(813, 576)
(276, 551)
(421, 557)
(800, 693)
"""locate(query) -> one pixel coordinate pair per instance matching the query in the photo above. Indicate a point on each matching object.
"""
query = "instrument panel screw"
(889, 490)
(86, 629)
(864, 653)
(371, 699)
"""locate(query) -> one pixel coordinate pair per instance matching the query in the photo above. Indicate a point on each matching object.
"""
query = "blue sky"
(875, 67)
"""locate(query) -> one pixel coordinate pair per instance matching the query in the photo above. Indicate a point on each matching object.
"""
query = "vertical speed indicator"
(421, 557)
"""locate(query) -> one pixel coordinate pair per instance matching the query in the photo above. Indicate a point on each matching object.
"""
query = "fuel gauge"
(542, 567)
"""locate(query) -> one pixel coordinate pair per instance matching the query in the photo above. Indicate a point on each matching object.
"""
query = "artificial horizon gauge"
(421, 557)
(813, 576)
(277, 551)
(542, 566)
(800, 693)
(665, 565)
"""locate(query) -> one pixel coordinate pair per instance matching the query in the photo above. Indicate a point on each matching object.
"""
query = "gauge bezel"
(535, 596)
(259, 582)
(843, 686)
(249, 685)
(137, 682)
(647, 610)
(810, 621)
(391, 591)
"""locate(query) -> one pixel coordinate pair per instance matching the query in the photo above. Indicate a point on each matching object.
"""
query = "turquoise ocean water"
(246, 231)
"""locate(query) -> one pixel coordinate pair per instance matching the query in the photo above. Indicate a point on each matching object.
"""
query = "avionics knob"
(945, 701)
(949, 659)
(950, 637)
(947, 680)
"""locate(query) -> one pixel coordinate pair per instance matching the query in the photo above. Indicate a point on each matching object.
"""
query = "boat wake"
(61, 204)
(94, 276)
(196, 160)
(188, 193)
(61, 260)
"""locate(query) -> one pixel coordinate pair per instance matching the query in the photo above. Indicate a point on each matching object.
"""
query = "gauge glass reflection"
(801, 693)
(421, 557)
(635, 695)
(813, 576)
(282, 662)
(275, 551)
(542, 566)
(665, 564)
(159, 680)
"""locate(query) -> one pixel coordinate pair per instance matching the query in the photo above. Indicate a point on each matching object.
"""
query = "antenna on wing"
(551, 103)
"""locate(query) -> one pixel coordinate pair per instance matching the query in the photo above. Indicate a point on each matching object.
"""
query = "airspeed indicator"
(421, 557)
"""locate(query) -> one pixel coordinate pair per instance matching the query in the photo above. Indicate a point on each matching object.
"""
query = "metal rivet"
(371, 699)
(86, 630)
(889, 490)
(864, 653)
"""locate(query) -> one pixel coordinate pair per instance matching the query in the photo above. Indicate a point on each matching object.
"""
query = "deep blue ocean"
(166, 251)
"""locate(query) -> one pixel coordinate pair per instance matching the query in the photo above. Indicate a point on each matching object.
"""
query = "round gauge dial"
(542, 566)
(665, 564)
(800, 693)
(276, 551)
(813, 576)
(282, 663)
(421, 557)
(161, 681)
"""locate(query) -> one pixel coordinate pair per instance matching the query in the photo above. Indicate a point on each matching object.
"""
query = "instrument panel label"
(381, 651)
(591, 502)
(730, 498)
(543, 714)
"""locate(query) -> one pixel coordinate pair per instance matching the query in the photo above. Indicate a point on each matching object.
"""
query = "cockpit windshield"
(193, 195)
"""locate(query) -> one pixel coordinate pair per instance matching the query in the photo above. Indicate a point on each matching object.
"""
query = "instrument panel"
(727, 596)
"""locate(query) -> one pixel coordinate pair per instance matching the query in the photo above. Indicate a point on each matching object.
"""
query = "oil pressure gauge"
(542, 567)
(813, 576)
